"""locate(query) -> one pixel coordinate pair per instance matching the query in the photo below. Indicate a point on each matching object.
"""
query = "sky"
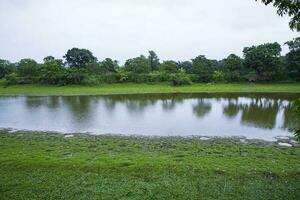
(122, 29)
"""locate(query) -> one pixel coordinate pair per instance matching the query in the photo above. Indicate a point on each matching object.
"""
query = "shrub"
(11, 79)
(123, 75)
(218, 76)
(180, 78)
(158, 76)
(297, 110)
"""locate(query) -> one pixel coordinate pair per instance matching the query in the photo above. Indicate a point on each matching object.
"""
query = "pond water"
(255, 116)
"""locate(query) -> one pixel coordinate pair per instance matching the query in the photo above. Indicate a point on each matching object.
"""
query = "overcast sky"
(120, 29)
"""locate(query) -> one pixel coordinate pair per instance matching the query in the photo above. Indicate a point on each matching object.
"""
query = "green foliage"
(138, 65)
(218, 76)
(123, 75)
(6, 68)
(169, 66)
(234, 64)
(203, 68)
(261, 63)
(74, 75)
(52, 71)
(264, 59)
(158, 76)
(297, 110)
(79, 58)
(180, 78)
(186, 65)
(289, 7)
(28, 71)
(109, 66)
(11, 79)
(154, 61)
(293, 58)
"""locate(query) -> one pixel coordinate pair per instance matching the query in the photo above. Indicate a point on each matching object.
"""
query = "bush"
(218, 76)
(158, 76)
(11, 79)
(123, 75)
(180, 78)
(297, 110)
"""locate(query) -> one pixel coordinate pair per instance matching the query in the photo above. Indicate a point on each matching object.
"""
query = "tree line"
(261, 63)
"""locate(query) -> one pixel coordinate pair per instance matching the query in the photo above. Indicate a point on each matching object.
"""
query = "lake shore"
(131, 88)
(50, 165)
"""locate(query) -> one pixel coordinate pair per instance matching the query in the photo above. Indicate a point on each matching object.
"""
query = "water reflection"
(159, 114)
(201, 108)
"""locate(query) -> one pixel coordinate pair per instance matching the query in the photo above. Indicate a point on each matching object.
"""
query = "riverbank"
(146, 88)
(35, 165)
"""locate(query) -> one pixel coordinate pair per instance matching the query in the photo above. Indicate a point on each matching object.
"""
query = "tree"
(202, 67)
(154, 60)
(169, 66)
(264, 59)
(290, 7)
(218, 76)
(293, 58)
(52, 70)
(6, 68)
(234, 64)
(28, 69)
(109, 66)
(296, 106)
(138, 65)
(180, 78)
(79, 58)
(186, 65)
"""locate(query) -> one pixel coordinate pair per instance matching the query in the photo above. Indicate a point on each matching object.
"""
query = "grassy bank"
(145, 88)
(49, 166)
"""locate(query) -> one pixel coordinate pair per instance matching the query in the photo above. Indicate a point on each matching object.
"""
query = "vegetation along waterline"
(36, 165)
(260, 63)
(133, 88)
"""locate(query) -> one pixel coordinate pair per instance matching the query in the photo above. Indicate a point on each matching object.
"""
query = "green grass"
(49, 166)
(145, 88)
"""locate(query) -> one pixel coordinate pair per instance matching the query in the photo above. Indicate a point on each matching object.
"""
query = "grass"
(145, 88)
(35, 165)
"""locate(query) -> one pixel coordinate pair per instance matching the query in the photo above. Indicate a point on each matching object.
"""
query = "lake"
(255, 116)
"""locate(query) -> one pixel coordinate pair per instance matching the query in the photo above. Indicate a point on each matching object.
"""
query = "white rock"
(68, 136)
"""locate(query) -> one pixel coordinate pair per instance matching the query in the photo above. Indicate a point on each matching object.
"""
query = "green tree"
(289, 7)
(52, 70)
(138, 65)
(169, 66)
(203, 68)
(6, 68)
(109, 66)
(75, 75)
(234, 64)
(264, 59)
(293, 58)
(180, 78)
(154, 60)
(28, 69)
(218, 76)
(297, 110)
(79, 58)
(186, 65)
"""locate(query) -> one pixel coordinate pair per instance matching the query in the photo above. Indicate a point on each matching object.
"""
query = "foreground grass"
(145, 88)
(49, 166)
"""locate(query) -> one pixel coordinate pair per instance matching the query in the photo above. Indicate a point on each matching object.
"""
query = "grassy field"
(49, 166)
(145, 88)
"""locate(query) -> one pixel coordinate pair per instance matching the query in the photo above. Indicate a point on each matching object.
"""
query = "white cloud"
(175, 29)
